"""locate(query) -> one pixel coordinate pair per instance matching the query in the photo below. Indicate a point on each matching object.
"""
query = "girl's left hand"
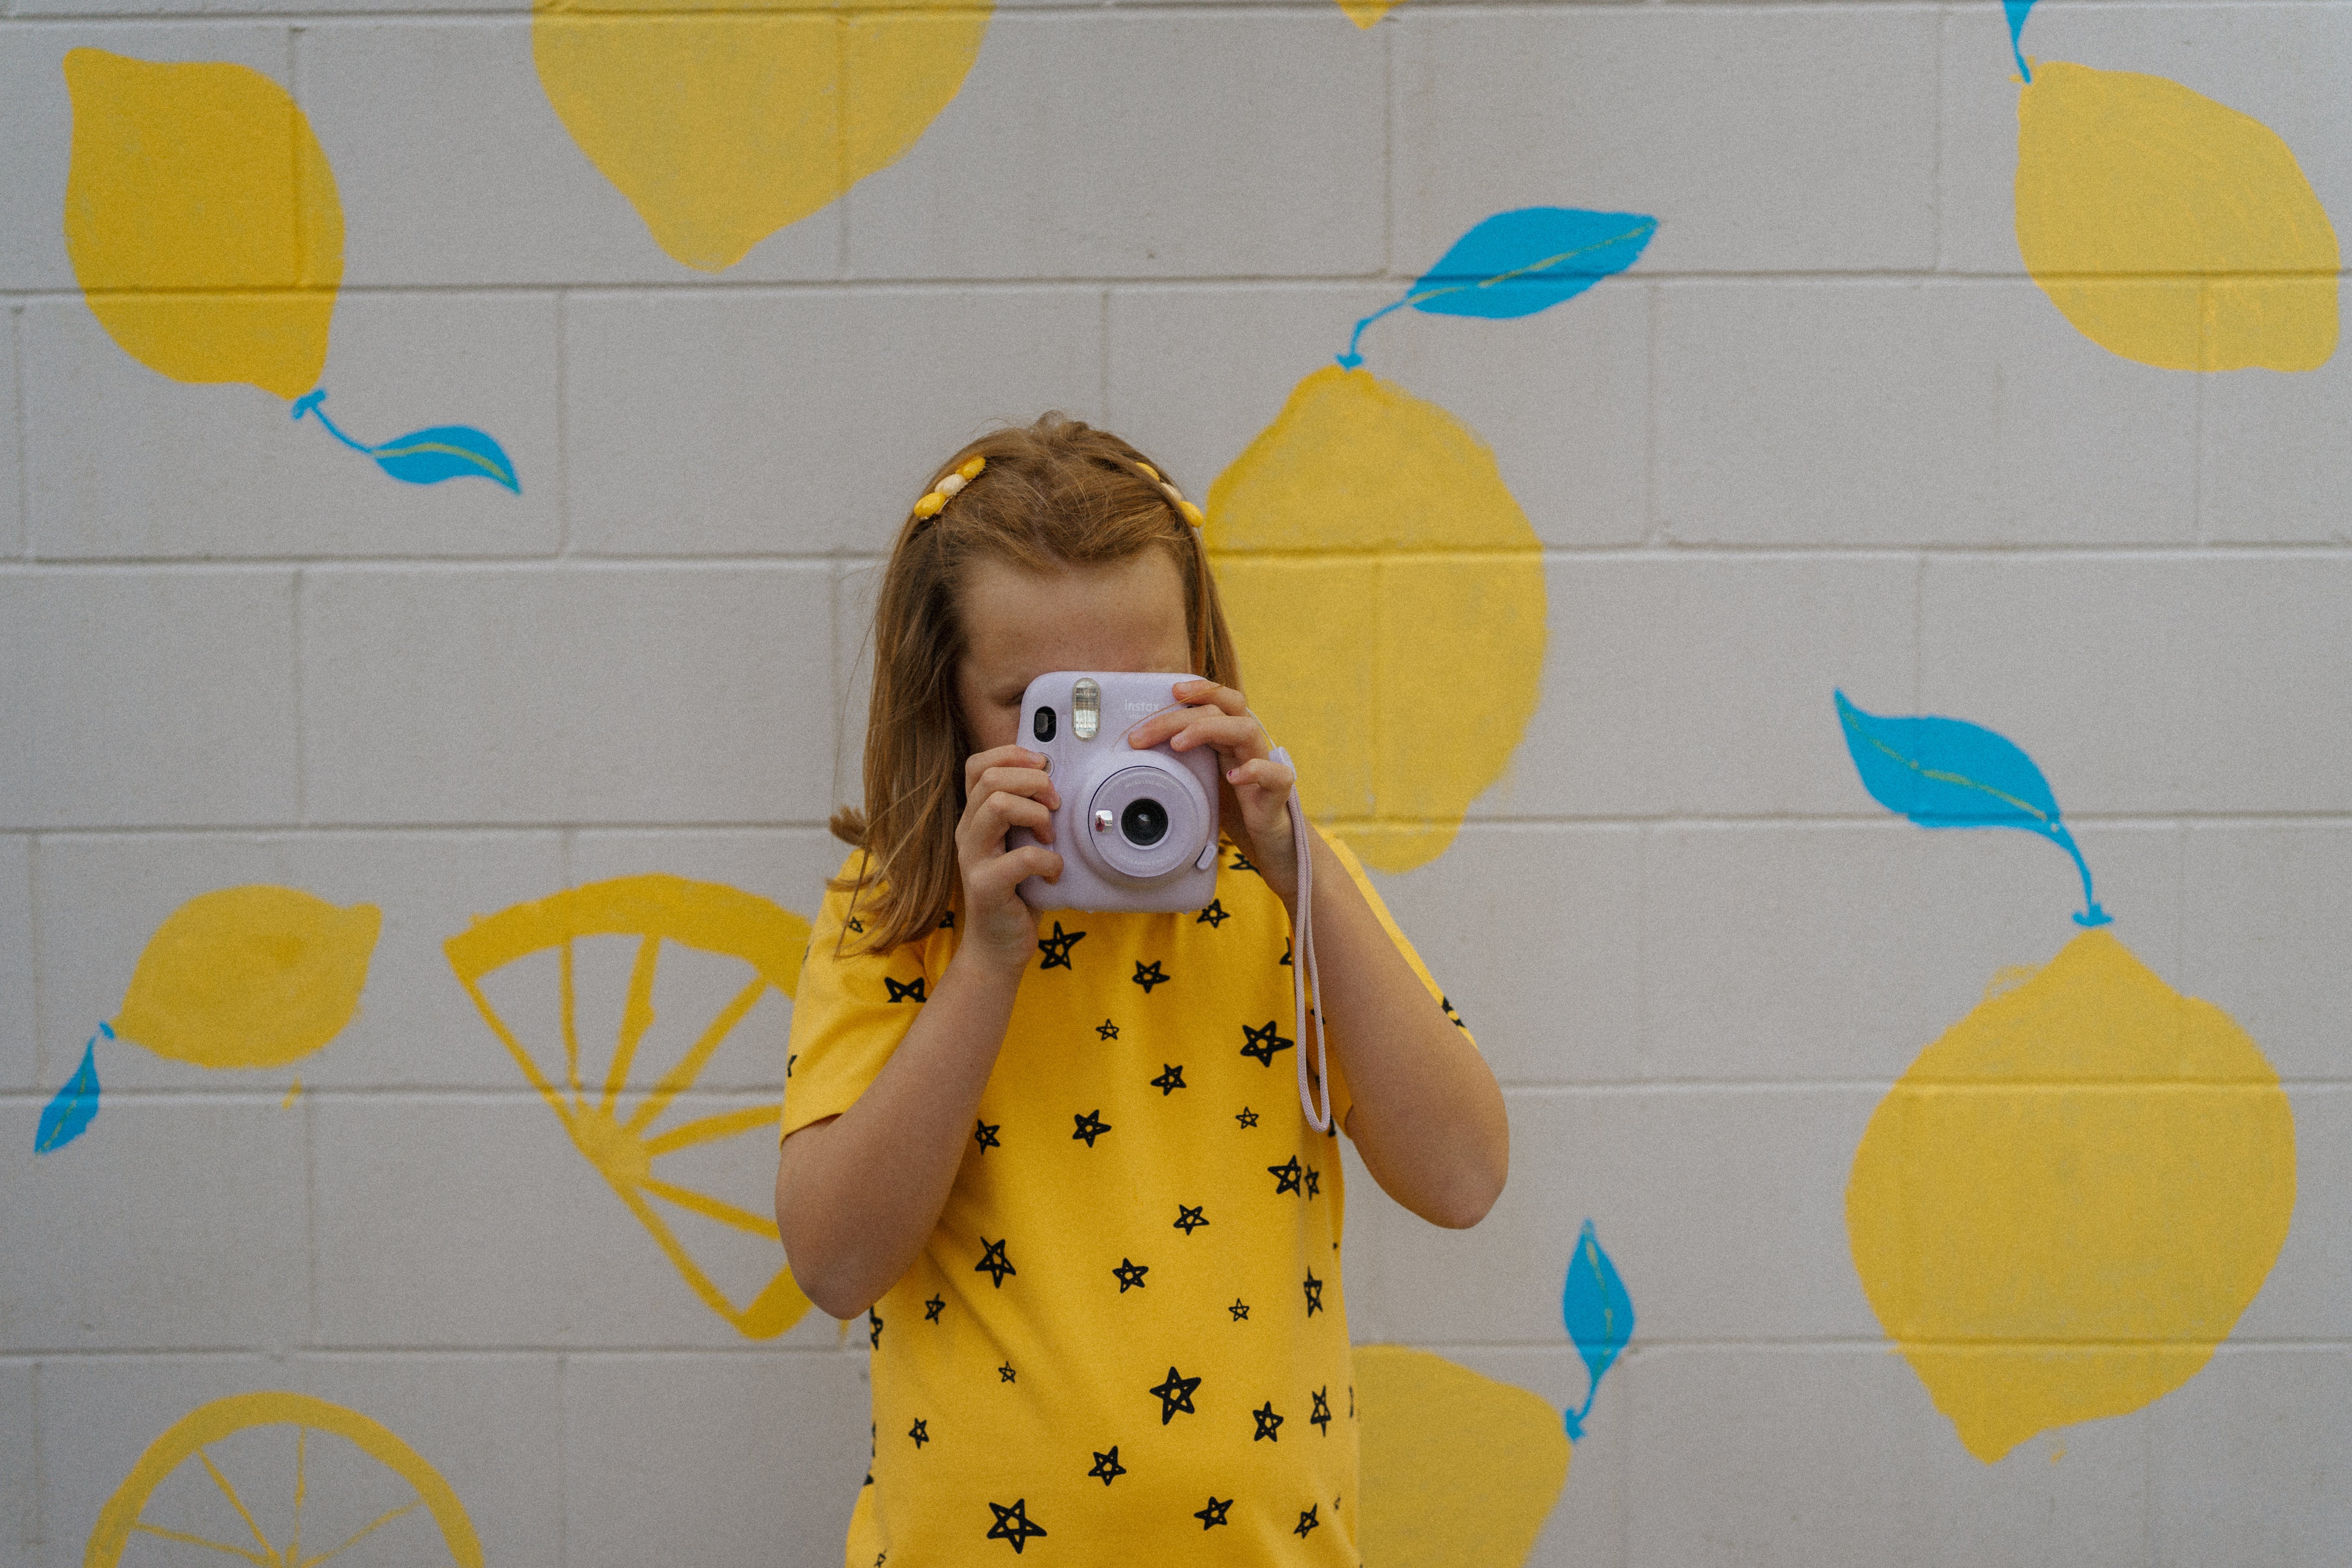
(1219, 716)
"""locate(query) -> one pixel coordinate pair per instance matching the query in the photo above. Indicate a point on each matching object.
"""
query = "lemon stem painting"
(1947, 773)
(424, 456)
(206, 230)
(1518, 263)
(255, 976)
(2061, 1209)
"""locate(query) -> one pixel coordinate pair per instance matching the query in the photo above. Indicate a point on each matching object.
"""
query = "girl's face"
(1127, 617)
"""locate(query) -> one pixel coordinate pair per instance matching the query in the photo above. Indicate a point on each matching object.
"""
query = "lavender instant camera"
(1137, 829)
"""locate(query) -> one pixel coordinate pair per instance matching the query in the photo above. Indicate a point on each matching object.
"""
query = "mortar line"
(19, 422)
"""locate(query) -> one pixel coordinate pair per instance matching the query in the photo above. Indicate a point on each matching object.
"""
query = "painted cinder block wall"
(1827, 434)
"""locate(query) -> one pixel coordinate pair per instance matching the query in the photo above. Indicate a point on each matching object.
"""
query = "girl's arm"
(1427, 1114)
(857, 1194)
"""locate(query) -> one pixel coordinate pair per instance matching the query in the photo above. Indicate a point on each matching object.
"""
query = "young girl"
(1058, 1161)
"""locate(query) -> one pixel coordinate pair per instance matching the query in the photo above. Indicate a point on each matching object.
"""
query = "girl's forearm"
(1427, 1115)
(856, 1195)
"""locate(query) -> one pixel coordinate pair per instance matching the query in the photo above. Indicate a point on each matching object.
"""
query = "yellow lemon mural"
(1365, 13)
(619, 1136)
(239, 977)
(723, 124)
(2062, 1208)
(284, 1479)
(202, 220)
(205, 228)
(1457, 1470)
(2168, 228)
(1385, 590)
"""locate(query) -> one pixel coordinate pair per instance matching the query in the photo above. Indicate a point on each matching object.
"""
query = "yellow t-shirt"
(1126, 1334)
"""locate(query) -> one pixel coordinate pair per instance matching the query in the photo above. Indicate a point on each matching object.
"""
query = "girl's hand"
(1259, 786)
(1004, 787)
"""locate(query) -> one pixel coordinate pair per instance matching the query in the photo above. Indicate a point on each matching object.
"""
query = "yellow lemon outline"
(251, 976)
(207, 1424)
(1388, 597)
(209, 248)
(654, 907)
(1431, 1499)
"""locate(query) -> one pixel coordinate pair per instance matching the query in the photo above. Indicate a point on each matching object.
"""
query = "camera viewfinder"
(1044, 726)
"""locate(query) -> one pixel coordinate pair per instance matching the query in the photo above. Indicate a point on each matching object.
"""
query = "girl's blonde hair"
(1053, 495)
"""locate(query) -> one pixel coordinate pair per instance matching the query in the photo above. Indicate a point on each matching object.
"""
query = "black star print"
(1264, 1043)
(1004, 1372)
(1285, 1176)
(984, 1133)
(1285, 953)
(1314, 1182)
(1147, 975)
(1214, 916)
(910, 991)
(1307, 1521)
(1214, 1513)
(1240, 1309)
(1106, 1030)
(932, 1308)
(1012, 1524)
(1313, 1294)
(1448, 1003)
(789, 1061)
(1267, 1421)
(873, 1447)
(1170, 1080)
(1240, 863)
(1130, 1274)
(1246, 1117)
(856, 925)
(1091, 1126)
(1190, 1219)
(993, 1263)
(1175, 1394)
(1106, 1465)
(1056, 947)
(874, 1328)
(1321, 1419)
(920, 1433)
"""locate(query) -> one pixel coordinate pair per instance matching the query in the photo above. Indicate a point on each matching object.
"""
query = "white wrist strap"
(1303, 974)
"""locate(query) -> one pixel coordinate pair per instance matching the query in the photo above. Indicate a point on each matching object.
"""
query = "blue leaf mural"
(445, 452)
(1598, 1314)
(425, 456)
(1948, 772)
(1520, 262)
(2017, 10)
(65, 1116)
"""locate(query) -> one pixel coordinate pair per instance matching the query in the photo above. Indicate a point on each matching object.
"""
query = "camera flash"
(1086, 709)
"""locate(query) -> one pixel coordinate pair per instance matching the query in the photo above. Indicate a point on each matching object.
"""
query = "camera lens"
(1043, 728)
(1144, 822)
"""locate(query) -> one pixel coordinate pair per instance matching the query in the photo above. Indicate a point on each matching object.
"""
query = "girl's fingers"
(1208, 693)
(1033, 782)
(1263, 773)
(986, 826)
(1239, 739)
(980, 762)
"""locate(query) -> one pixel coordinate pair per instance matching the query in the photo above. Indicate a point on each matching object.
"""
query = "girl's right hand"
(1004, 787)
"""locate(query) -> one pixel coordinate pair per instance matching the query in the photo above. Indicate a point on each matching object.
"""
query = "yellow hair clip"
(929, 507)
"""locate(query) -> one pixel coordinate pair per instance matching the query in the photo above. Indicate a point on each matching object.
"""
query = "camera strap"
(1304, 977)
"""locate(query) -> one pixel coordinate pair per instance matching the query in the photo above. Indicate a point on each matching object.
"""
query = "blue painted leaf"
(1599, 1316)
(1948, 772)
(2017, 10)
(445, 452)
(64, 1116)
(1517, 263)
